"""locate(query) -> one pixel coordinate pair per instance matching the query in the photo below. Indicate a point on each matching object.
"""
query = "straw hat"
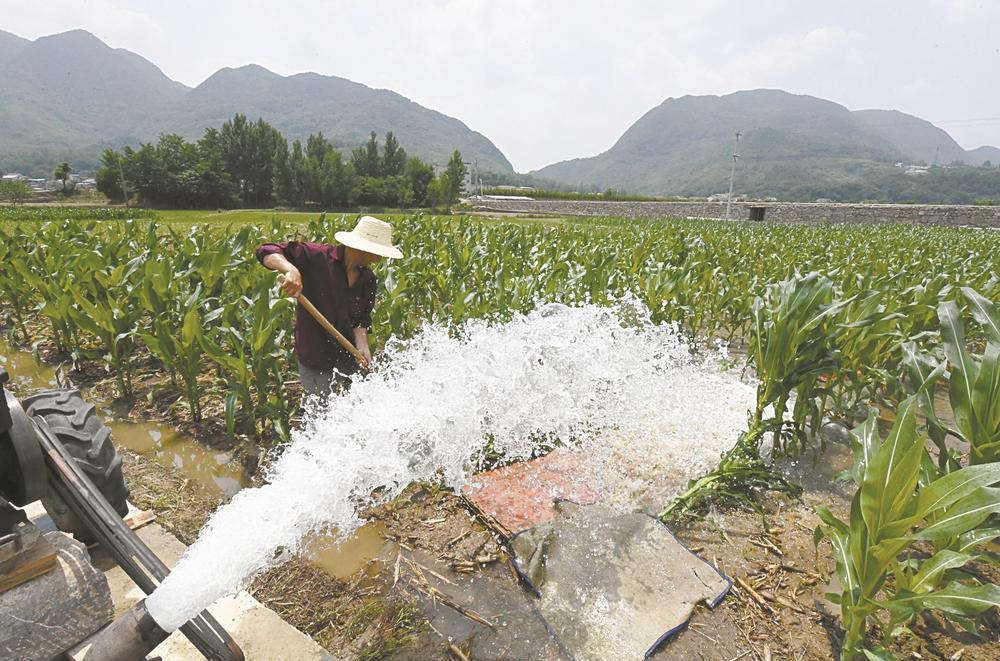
(371, 235)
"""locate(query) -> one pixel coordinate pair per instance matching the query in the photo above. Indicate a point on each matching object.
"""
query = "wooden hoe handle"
(325, 323)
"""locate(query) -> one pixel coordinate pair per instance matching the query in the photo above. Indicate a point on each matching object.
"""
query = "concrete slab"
(259, 631)
(453, 603)
(523, 495)
(611, 585)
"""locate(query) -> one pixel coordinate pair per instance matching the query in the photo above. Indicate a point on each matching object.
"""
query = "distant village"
(75, 181)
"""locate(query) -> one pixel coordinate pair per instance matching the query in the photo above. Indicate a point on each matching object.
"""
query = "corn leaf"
(985, 312)
(964, 369)
(891, 476)
(956, 598)
(932, 569)
(965, 515)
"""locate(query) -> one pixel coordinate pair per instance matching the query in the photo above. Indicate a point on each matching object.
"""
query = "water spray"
(607, 378)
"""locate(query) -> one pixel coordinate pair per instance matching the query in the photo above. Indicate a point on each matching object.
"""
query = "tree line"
(251, 164)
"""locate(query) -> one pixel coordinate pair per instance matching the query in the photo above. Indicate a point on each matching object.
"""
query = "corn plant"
(250, 348)
(973, 382)
(890, 512)
(16, 293)
(868, 339)
(108, 309)
(791, 348)
(176, 340)
(47, 268)
(708, 277)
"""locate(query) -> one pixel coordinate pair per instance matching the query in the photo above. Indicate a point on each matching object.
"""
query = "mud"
(371, 601)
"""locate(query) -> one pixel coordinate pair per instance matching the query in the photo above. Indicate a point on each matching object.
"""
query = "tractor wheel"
(88, 440)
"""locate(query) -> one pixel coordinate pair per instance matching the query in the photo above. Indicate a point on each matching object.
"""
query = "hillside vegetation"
(69, 96)
(792, 147)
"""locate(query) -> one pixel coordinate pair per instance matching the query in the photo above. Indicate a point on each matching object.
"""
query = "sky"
(548, 80)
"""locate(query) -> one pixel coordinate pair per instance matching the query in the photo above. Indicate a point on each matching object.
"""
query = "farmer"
(339, 281)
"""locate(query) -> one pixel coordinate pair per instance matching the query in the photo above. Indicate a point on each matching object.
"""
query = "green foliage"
(420, 175)
(891, 511)
(439, 192)
(111, 176)
(393, 157)
(61, 173)
(15, 191)
(974, 381)
(705, 276)
(46, 214)
(791, 348)
(366, 160)
(250, 164)
(456, 172)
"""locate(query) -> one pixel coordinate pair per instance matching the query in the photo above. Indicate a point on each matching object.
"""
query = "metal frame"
(70, 483)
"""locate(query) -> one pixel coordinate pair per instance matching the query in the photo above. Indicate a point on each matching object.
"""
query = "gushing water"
(630, 391)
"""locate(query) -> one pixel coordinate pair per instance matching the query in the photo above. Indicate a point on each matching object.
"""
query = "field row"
(835, 320)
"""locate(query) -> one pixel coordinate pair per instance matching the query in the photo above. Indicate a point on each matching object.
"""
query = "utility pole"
(732, 173)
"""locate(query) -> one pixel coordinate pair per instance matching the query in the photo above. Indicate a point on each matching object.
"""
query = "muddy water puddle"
(25, 374)
(200, 464)
(367, 545)
(196, 462)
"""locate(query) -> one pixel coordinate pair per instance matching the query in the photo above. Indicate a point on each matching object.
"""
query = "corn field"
(197, 296)
(837, 321)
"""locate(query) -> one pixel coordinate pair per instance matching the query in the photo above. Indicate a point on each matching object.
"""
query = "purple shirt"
(324, 283)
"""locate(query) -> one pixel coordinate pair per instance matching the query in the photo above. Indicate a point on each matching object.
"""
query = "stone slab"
(512, 628)
(524, 494)
(611, 585)
(259, 631)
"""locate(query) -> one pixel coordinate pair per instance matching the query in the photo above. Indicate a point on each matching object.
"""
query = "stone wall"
(792, 212)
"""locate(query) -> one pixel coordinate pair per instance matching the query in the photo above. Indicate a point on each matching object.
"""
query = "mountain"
(980, 155)
(792, 147)
(916, 138)
(345, 111)
(10, 45)
(684, 146)
(71, 91)
(68, 96)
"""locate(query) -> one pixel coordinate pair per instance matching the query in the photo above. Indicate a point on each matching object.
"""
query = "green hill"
(916, 138)
(792, 147)
(68, 96)
(980, 155)
(684, 146)
(71, 91)
(10, 45)
(345, 111)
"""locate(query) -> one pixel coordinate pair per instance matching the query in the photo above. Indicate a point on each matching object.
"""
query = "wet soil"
(428, 579)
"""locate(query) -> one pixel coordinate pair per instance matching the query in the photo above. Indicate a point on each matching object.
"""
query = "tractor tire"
(76, 423)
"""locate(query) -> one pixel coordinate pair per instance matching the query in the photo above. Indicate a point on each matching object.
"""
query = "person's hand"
(366, 357)
(291, 283)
